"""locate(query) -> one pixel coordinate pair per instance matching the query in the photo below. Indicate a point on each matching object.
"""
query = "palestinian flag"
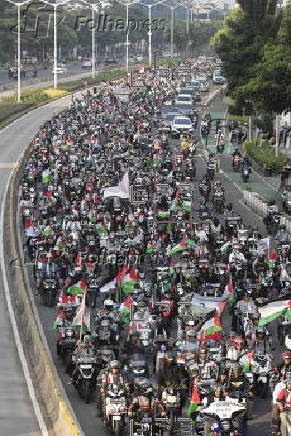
(121, 273)
(100, 228)
(174, 206)
(78, 288)
(183, 245)
(194, 402)
(211, 329)
(163, 213)
(129, 280)
(179, 247)
(124, 309)
(187, 205)
(149, 249)
(225, 247)
(47, 232)
(272, 260)
(190, 243)
(247, 360)
(273, 310)
(79, 260)
(47, 176)
(59, 321)
(229, 293)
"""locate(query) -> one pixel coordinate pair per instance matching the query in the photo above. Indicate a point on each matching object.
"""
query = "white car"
(86, 64)
(60, 70)
(184, 100)
(181, 124)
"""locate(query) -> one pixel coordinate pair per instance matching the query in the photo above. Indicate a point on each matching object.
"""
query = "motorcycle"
(66, 344)
(211, 170)
(236, 163)
(226, 418)
(262, 369)
(245, 173)
(115, 409)
(86, 377)
(218, 201)
(49, 292)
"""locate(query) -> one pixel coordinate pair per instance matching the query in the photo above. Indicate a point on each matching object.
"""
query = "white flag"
(108, 286)
(79, 317)
(121, 191)
(263, 244)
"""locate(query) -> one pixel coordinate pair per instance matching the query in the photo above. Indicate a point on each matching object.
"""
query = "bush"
(11, 110)
(266, 157)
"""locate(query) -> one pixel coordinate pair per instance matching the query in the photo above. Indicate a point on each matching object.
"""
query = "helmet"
(238, 342)
(114, 364)
(261, 331)
(236, 367)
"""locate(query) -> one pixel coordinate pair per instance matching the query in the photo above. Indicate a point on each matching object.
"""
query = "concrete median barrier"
(260, 207)
(57, 415)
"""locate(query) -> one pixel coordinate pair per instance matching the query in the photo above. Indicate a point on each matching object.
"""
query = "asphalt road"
(16, 412)
(13, 392)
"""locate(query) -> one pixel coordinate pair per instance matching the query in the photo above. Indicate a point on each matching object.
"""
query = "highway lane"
(17, 416)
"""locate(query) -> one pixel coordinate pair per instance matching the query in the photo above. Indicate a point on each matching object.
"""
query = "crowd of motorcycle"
(159, 288)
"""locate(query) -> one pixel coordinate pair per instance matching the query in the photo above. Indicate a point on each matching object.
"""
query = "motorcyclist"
(236, 153)
(282, 236)
(280, 410)
(236, 348)
(238, 383)
(284, 366)
(246, 160)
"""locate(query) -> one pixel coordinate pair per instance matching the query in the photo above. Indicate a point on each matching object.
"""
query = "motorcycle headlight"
(235, 423)
(225, 425)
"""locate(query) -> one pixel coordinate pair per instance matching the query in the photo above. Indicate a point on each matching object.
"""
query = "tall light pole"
(149, 6)
(95, 6)
(127, 37)
(55, 4)
(172, 31)
(18, 5)
(127, 4)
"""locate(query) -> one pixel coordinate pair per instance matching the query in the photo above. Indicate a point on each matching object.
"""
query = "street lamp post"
(18, 5)
(93, 57)
(150, 35)
(55, 48)
(55, 4)
(150, 26)
(127, 37)
(172, 31)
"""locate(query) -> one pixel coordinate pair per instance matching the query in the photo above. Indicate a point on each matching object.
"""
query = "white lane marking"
(37, 411)
(9, 165)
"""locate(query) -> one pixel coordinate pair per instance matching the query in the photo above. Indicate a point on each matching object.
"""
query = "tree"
(241, 41)
(270, 89)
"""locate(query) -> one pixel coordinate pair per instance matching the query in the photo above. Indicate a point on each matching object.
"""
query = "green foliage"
(270, 88)
(199, 34)
(246, 45)
(266, 157)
